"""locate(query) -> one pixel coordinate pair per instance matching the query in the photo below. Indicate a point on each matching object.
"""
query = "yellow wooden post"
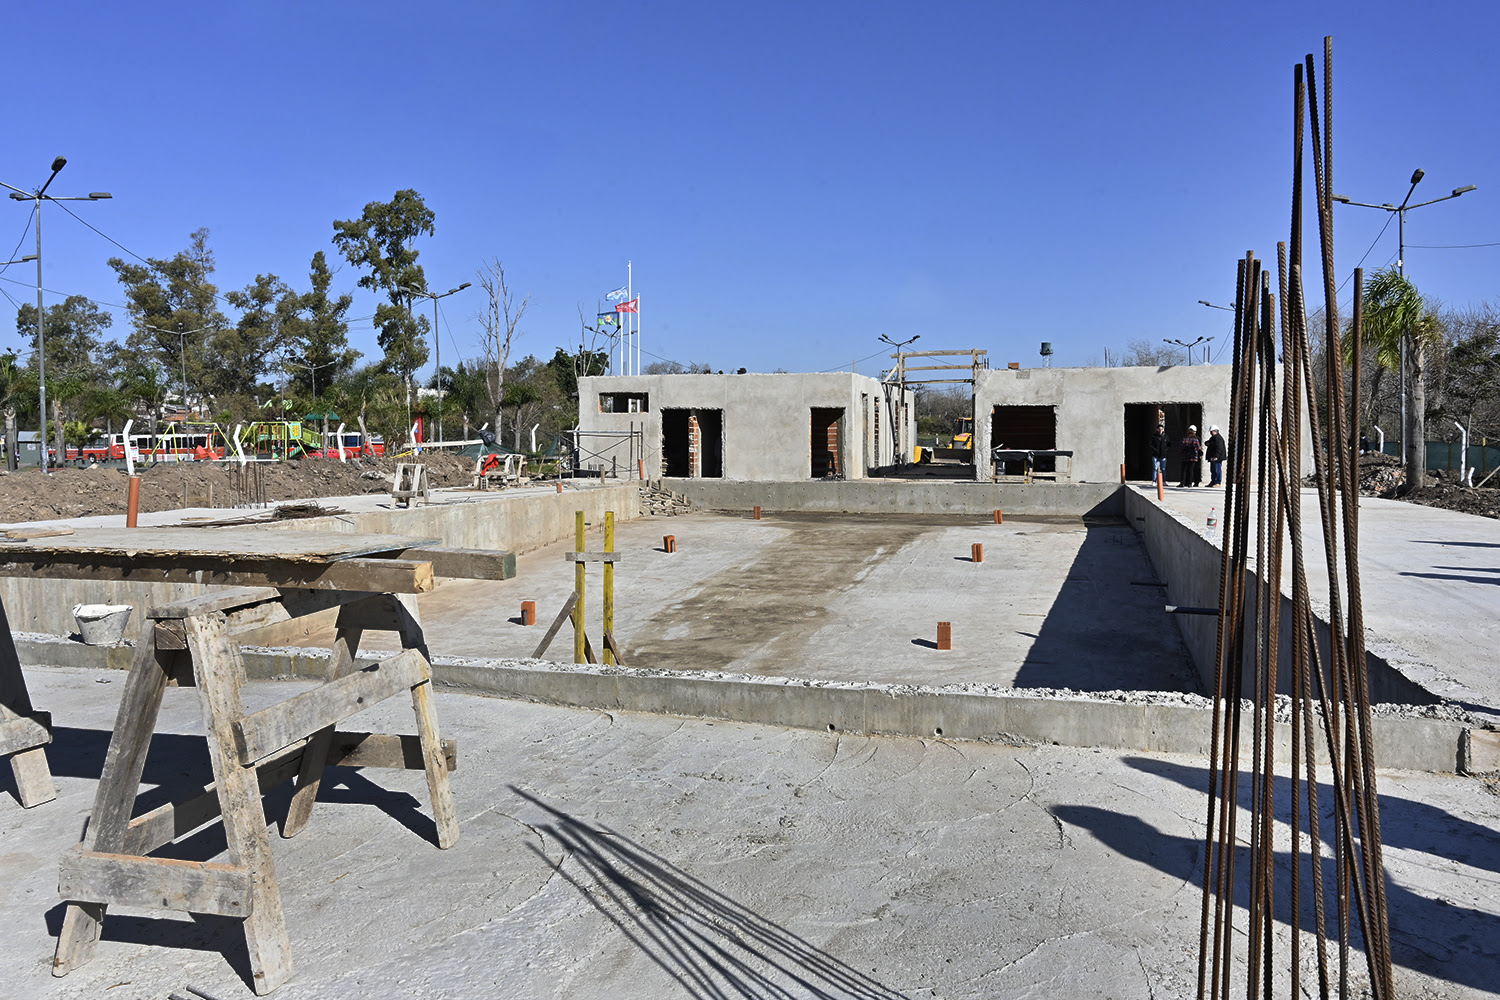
(578, 634)
(608, 653)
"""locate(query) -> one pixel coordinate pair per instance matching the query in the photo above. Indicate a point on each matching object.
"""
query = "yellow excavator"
(960, 451)
(963, 433)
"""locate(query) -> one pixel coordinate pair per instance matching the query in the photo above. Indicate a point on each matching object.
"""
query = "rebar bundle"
(1327, 685)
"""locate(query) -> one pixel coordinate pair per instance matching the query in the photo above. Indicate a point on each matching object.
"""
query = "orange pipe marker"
(945, 635)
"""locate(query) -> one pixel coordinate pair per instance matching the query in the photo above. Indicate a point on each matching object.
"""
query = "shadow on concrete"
(1102, 633)
(1454, 576)
(183, 932)
(711, 945)
(1429, 934)
(1467, 545)
(924, 643)
(1404, 823)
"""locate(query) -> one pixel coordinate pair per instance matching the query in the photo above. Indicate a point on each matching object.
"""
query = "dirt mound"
(29, 496)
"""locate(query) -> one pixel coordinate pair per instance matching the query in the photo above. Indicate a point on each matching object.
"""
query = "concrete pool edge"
(1162, 722)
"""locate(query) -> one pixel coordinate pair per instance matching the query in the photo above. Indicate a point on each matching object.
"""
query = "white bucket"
(102, 624)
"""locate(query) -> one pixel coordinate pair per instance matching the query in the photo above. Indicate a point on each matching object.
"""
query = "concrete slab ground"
(1055, 603)
(1431, 582)
(640, 856)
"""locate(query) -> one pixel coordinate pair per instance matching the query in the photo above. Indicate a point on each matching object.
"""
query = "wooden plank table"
(371, 579)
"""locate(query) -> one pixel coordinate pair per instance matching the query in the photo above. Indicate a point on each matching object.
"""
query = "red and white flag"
(633, 306)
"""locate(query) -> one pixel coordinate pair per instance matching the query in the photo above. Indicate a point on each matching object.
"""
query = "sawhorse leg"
(444, 812)
(114, 797)
(22, 737)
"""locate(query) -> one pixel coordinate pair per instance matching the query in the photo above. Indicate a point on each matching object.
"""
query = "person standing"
(1217, 452)
(1159, 444)
(1191, 454)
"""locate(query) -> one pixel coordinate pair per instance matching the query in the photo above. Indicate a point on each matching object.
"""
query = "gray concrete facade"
(1091, 408)
(748, 427)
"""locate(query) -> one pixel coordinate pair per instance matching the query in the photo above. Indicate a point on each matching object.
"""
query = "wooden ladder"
(194, 641)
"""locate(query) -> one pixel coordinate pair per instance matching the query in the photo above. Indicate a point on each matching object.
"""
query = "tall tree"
(500, 320)
(176, 296)
(1395, 314)
(242, 353)
(380, 242)
(318, 336)
(75, 329)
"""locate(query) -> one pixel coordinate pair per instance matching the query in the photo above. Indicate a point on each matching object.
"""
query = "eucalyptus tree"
(381, 244)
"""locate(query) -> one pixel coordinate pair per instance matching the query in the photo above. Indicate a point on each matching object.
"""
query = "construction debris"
(663, 501)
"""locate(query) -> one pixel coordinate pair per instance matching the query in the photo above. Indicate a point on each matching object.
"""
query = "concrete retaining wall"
(1189, 564)
(884, 496)
(519, 523)
(960, 713)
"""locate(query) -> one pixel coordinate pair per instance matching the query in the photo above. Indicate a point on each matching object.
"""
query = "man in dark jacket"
(1159, 444)
(1191, 454)
(1217, 453)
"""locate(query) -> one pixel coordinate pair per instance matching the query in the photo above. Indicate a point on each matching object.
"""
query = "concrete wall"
(767, 421)
(1090, 405)
(1189, 564)
(884, 496)
(518, 523)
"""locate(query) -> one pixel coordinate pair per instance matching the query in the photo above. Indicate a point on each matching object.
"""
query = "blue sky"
(790, 180)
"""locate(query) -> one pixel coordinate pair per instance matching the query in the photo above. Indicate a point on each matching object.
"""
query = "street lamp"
(182, 335)
(38, 196)
(1400, 213)
(1189, 347)
(437, 339)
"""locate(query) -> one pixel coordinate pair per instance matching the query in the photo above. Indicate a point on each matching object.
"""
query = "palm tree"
(1395, 313)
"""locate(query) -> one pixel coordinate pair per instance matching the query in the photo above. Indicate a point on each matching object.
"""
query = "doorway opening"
(1140, 424)
(1025, 427)
(692, 444)
(827, 433)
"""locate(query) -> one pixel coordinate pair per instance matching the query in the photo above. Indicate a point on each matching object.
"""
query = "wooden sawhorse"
(195, 642)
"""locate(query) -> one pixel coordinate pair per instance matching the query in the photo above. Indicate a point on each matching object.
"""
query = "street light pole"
(1400, 212)
(39, 196)
(437, 341)
(1189, 347)
(182, 353)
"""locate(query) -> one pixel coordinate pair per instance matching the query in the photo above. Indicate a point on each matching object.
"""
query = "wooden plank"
(467, 564)
(587, 557)
(21, 534)
(34, 784)
(589, 656)
(220, 673)
(613, 647)
(228, 544)
(114, 796)
(24, 733)
(557, 623)
(444, 811)
(315, 755)
(220, 600)
(169, 821)
(380, 750)
(263, 733)
(382, 576)
(155, 883)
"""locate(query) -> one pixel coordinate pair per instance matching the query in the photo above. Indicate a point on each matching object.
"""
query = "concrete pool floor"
(1056, 603)
(631, 855)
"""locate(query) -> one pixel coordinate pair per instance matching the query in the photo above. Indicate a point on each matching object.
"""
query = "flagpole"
(630, 294)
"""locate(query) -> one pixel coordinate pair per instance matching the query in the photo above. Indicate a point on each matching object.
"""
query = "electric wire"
(11, 257)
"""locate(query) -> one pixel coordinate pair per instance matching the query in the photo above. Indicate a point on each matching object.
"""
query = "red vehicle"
(354, 446)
